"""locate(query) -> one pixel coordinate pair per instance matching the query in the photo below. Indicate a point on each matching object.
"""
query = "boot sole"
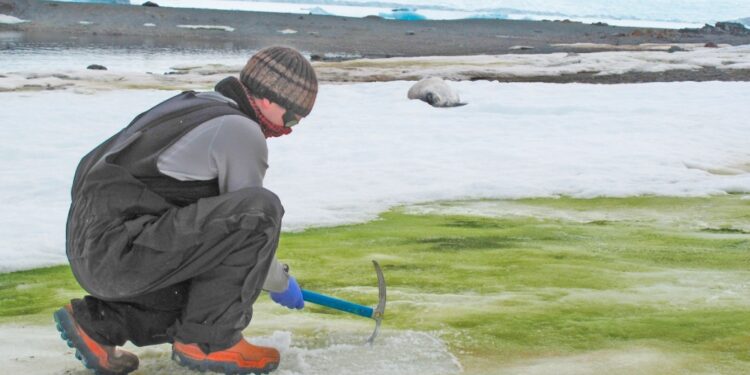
(225, 368)
(66, 327)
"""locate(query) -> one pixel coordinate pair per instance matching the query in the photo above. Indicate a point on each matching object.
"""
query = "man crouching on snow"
(171, 231)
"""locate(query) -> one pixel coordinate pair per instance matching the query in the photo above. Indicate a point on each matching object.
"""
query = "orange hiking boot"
(242, 358)
(102, 359)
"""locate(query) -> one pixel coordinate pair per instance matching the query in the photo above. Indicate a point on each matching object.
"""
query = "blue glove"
(291, 297)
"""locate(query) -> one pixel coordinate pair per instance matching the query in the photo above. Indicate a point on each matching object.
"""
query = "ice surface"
(366, 148)
(401, 353)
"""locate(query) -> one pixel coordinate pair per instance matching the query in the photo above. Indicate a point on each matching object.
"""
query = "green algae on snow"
(540, 279)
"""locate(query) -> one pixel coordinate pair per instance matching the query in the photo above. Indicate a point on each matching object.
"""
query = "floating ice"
(403, 14)
(489, 16)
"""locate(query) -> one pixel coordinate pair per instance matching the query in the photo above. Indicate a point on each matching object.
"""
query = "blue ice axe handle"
(353, 308)
(338, 304)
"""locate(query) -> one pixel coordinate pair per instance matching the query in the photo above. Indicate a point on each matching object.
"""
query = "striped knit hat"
(283, 76)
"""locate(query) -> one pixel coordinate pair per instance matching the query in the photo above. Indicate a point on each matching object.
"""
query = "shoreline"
(636, 64)
(369, 37)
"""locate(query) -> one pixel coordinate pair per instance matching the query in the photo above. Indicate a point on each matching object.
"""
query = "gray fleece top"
(230, 148)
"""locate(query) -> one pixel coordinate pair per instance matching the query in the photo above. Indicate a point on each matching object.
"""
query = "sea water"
(640, 13)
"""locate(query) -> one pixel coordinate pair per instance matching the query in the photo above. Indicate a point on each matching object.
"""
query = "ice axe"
(353, 308)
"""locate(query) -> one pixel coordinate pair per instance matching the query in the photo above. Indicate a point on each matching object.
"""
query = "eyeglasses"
(290, 119)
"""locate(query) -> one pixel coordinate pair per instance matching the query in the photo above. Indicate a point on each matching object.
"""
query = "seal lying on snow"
(436, 92)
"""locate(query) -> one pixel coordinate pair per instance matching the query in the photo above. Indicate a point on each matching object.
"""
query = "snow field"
(366, 148)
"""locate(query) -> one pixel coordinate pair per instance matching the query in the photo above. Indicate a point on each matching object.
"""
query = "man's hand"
(291, 297)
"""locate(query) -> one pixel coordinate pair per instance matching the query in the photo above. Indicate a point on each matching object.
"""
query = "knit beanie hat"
(283, 76)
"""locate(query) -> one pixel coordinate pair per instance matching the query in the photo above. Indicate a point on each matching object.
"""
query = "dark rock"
(707, 29)
(301, 17)
(410, 32)
(600, 24)
(675, 49)
(316, 58)
(734, 28)
(96, 67)
(373, 17)
(711, 45)
(7, 6)
(150, 4)
(314, 33)
(690, 31)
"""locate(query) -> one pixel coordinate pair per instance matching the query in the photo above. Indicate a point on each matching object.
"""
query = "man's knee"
(259, 199)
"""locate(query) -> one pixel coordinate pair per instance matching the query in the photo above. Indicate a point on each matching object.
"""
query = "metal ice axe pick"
(353, 308)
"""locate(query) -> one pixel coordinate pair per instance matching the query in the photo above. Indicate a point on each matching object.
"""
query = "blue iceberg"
(403, 14)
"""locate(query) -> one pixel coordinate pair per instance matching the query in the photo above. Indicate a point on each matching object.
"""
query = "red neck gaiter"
(269, 128)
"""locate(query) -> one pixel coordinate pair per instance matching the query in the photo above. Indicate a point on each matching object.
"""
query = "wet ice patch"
(393, 353)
